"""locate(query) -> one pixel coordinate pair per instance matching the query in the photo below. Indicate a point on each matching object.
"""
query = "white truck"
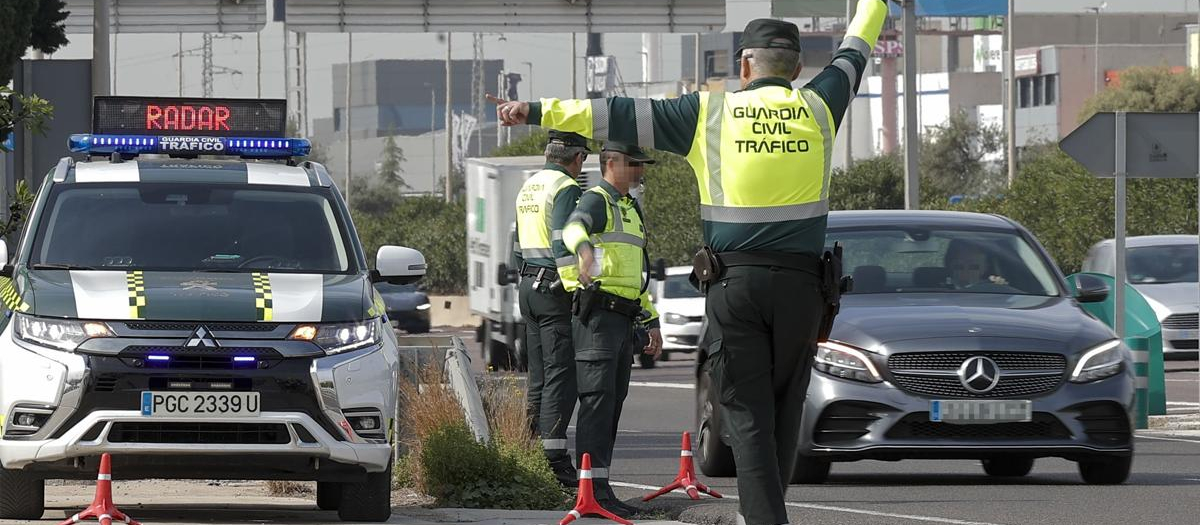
(492, 186)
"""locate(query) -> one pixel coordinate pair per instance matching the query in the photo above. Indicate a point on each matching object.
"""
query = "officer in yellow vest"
(762, 162)
(608, 235)
(544, 203)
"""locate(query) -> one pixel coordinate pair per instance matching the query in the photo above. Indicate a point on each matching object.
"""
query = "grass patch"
(289, 489)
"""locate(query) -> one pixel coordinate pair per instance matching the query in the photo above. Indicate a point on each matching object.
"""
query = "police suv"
(193, 300)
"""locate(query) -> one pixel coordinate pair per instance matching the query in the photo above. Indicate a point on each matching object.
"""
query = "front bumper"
(680, 337)
(92, 404)
(1179, 341)
(411, 320)
(847, 420)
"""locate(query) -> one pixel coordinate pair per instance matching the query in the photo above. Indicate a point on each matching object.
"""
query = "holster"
(706, 269)
(833, 285)
(585, 301)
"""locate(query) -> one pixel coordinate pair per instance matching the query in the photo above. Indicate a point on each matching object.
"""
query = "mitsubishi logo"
(979, 374)
(202, 338)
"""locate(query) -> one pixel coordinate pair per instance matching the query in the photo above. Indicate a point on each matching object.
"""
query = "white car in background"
(680, 310)
(1163, 269)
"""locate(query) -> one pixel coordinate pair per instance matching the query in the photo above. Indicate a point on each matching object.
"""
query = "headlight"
(60, 334)
(846, 362)
(674, 319)
(1105, 360)
(422, 307)
(340, 337)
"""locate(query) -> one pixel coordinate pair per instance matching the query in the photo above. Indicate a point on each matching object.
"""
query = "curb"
(1177, 422)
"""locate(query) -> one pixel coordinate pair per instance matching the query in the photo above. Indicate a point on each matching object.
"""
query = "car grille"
(150, 326)
(686, 340)
(1185, 344)
(910, 373)
(951, 387)
(190, 358)
(1104, 422)
(201, 433)
(846, 421)
(953, 360)
(695, 319)
(918, 426)
(1180, 322)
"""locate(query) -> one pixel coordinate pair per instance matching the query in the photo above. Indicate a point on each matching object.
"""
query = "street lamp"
(1096, 48)
(432, 135)
(530, 64)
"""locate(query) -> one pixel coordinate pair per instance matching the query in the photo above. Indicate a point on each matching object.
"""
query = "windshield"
(191, 227)
(1171, 263)
(678, 287)
(924, 260)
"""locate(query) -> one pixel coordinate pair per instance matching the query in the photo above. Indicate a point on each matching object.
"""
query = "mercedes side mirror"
(1090, 289)
(398, 265)
(7, 268)
(658, 269)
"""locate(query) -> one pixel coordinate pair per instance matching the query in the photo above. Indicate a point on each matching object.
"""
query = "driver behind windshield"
(969, 264)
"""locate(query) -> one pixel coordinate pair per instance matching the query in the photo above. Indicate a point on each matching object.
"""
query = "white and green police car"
(194, 301)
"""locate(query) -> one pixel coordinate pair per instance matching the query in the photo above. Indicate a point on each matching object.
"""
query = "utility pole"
(848, 119)
(449, 118)
(698, 73)
(349, 85)
(1010, 96)
(1096, 48)
(595, 48)
(302, 40)
(100, 59)
(206, 67)
(258, 62)
(180, 66)
(477, 92)
(912, 188)
(574, 69)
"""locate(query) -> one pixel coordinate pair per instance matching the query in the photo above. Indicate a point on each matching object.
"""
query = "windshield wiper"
(52, 266)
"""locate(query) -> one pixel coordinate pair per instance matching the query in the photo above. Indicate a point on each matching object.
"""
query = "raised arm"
(839, 81)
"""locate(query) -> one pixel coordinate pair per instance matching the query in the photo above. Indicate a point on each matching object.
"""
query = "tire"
(1111, 470)
(495, 355)
(810, 471)
(1008, 467)
(664, 356)
(519, 352)
(647, 361)
(22, 497)
(329, 495)
(369, 500)
(716, 458)
(422, 329)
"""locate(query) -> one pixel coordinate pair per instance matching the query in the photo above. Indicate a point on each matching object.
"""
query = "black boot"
(565, 472)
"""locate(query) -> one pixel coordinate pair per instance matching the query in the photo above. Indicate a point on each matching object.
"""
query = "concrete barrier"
(451, 310)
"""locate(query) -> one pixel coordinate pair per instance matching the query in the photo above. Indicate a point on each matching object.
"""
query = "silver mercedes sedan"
(959, 340)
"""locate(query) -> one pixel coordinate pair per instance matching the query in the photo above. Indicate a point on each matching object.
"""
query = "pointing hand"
(510, 113)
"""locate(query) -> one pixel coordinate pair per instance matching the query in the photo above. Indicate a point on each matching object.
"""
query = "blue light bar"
(248, 147)
(158, 358)
(243, 359)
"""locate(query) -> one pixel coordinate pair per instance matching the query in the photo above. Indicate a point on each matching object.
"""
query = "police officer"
(762, 161)
(608, 235)
(544, 203)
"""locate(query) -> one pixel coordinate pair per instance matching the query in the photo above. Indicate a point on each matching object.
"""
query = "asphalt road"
(1164, 488)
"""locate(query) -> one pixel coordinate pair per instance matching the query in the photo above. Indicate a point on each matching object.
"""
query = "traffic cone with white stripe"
(686, 479)
(585, 500)
(102, 508)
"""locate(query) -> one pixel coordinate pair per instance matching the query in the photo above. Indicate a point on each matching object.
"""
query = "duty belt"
(528, 270)
(793, 261)
(618, 304)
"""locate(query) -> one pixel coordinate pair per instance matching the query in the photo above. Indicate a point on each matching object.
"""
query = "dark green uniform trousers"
(603, 362)
(763, 324)
(551, 395)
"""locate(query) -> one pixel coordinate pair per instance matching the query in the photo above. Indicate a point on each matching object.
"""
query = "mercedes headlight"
(846, 362)
(674, 319)
(59, 334)
(1104, 360)
(339, 337)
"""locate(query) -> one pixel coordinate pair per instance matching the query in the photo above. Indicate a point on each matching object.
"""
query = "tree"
(952, 156)
(391, 163)
(23, 23)
(1147, 89)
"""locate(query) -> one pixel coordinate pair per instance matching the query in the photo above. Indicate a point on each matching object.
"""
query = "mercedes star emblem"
(979, 374)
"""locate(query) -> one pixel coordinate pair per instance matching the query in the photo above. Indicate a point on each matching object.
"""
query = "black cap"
(568, 138)
(631, 150)
(770, 33)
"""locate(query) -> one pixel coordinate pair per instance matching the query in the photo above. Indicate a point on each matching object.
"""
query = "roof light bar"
(245, 147)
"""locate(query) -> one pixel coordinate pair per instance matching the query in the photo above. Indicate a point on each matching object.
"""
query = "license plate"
(971, 411)
(200, 404)
(1189, 334)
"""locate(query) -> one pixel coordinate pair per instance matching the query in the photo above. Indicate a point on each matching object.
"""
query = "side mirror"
(1089, 289)
(398, 265)
(658, 269)
(7, 269)
(506, 276)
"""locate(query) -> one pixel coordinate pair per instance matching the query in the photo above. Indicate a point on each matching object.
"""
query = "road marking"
(813, 506)
(619, 431)
(1182, 404)
(651, 384)
(1170, 439)
(1180, 380)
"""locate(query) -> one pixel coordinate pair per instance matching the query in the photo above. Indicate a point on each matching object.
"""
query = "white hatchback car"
(1163, 269)
(680, 309)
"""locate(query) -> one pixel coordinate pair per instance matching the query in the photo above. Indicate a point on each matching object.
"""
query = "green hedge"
(461, 472)
(427, 224)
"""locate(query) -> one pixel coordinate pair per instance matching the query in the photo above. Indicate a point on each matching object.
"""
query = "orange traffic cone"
(686, 479)
(585, 501)
(102, 508)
